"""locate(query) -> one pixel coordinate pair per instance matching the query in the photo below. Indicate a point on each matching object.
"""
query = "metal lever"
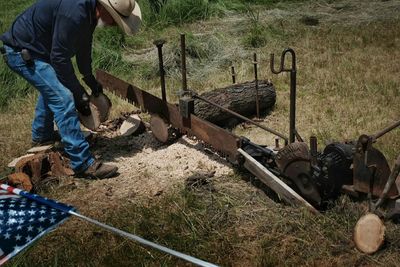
(159, 44)
(386, 130)
(293, 72)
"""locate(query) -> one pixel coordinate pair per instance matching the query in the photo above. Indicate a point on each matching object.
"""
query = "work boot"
(99, 170)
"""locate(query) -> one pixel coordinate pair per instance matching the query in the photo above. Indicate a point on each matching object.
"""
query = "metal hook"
(292, 116)
(283, 56)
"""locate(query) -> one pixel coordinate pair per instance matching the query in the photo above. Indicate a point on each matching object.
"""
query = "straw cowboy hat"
(126, 14)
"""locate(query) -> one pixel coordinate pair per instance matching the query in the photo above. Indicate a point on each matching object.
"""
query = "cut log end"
(159, 128)
(369, 233)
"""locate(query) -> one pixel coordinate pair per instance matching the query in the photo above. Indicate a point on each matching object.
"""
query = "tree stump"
(369, 233)
(240, 98)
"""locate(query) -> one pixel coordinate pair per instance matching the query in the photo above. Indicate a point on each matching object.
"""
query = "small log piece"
(133, 125)
(369, 233)
(161, 130)
(240, 98)
(20, 180)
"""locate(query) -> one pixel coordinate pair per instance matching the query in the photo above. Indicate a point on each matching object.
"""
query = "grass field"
(348, 84)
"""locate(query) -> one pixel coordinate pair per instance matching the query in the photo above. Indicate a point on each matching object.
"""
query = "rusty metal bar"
(293, 73)
(159, 44)
(220, 139)
(241, 117)
(233, 74)
(256, 84)
(386, 130)
(313, 150)
(183, 62)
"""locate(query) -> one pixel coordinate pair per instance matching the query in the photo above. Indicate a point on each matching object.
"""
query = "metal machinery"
(297, 172)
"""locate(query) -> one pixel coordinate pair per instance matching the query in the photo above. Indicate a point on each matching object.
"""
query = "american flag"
(24, 218)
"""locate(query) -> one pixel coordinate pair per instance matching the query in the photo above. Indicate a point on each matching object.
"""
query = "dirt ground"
(147, 168)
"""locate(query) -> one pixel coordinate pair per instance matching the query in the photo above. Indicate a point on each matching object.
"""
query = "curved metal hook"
(282, 66)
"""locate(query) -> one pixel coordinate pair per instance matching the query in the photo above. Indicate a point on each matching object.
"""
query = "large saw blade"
(294, 163)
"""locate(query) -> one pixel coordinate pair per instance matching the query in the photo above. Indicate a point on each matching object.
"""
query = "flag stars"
(42, 211)
(31, 212)
(7, 236)
(28, 238)
(11, 221)
(52, 220)
(12, 212)
(40, 229)
(18, 237)
(42, 219)
(30, 228)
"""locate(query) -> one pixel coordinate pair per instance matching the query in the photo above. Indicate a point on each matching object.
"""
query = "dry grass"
(348, 84)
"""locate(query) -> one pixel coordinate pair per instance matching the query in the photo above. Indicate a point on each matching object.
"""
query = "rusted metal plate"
(220, 139)
(363, 174)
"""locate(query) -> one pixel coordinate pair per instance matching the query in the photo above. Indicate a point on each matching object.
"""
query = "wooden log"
(159, 127)
(20, 180)
(369, 233)
(240, 98)
(132, 125)
(162, 130)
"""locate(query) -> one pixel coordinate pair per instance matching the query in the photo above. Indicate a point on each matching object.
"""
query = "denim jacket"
(55, 31)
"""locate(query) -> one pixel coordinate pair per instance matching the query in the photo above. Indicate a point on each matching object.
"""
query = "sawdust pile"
(147, 170)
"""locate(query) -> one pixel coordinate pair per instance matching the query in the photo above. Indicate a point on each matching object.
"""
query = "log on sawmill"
(240, 98)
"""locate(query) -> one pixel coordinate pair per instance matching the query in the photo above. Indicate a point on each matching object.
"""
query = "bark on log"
(240, 98)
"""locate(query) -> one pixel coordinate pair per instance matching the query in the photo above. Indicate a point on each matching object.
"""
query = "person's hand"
(93, 84)
(82, 104)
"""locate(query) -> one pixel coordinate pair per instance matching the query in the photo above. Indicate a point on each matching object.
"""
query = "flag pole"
(108, 227)
(145, 242)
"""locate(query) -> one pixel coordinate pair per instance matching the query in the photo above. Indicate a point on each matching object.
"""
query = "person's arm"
(84, 62)
(65, 35)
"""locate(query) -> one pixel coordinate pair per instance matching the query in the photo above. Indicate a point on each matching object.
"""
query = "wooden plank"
(14, 161)
(273, 182)
(38, 149)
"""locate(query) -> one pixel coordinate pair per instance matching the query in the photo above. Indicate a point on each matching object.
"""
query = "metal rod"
(144, 241)
(256, 84)
(386, 130)
(159, 44)
(276, 143)
(233, 74)
(183, 59)
(242, 117)
(292, 127)
(313, 150)
(293, 73)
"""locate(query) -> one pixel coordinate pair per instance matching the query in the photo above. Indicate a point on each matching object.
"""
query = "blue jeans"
(55, 103)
